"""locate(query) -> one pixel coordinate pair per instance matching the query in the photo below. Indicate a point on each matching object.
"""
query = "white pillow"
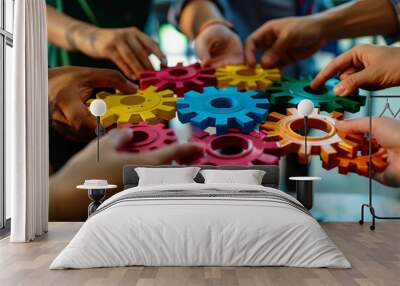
(164, 176)
(248, 177)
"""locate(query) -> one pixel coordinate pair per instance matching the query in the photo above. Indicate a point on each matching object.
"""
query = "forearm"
(67, 32)
(359, 18)
(195, 14)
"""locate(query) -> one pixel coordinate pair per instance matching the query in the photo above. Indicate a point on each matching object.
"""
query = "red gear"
(180, 78)
(148, 137)
(235, 148)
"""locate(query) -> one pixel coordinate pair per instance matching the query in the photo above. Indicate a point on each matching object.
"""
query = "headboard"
(271, 177)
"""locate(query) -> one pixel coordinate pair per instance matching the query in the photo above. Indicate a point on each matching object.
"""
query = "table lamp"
(98, 108)
(305, 108)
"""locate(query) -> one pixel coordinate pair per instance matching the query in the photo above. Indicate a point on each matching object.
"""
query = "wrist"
(215, 22)
(82, 35)
(324, 24)
(328, 25)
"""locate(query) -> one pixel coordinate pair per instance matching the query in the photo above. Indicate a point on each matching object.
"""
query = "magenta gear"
(179, 78)
(148, 137)
(235, 148)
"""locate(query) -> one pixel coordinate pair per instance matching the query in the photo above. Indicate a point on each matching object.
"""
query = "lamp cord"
(305, 137)
(98, 137)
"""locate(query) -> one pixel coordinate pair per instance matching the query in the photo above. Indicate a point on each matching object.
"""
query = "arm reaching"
(128, 48)
(288, 40)
(215, 42)
(69, 203)
(365, 66)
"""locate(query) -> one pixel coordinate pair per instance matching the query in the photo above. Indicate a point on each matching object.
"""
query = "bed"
(198, 224)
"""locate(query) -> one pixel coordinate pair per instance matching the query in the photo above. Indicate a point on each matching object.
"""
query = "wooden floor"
(375, 257)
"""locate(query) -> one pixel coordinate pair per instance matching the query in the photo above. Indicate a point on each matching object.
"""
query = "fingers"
(202, 50)
(357, 125)
(116, 138)
(276, 53)
(250, 50)
(140, 54)
(131, 57)
(388, 178)
(338, 65)
(352, 82)
(188, 152)
(111, 79)
(152, 47)
(78, 116)
(348, 72)
(261, 37)
(122, 65)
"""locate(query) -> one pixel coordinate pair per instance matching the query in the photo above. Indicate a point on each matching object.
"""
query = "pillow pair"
(163, 176)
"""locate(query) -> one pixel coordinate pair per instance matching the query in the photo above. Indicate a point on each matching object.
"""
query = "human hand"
(128, 48)
(70, 204)
(365, 66)
(84, 165)
(285, 41)
(387, 133)
(68, 90)
(219, 46)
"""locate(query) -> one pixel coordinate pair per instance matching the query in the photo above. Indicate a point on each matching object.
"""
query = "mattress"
(201, 225)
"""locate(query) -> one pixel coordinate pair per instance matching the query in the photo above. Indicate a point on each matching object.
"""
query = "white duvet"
(200, 231)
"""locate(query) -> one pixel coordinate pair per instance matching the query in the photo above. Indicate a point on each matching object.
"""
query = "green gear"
(289, 92)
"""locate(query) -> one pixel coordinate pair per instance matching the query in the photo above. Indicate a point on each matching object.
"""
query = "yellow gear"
(145, 105)
(246, 78)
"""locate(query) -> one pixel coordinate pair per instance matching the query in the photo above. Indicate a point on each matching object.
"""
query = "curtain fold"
(27, 124)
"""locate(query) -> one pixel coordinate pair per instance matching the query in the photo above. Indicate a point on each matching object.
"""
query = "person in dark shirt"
(100, 34)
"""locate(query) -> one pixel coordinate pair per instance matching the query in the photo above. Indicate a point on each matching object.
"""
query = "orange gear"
(360, 163)
(282, 128)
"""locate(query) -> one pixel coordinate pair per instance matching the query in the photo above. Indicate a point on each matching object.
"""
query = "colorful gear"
(283, 129)
(145, 105)
(148, 137)
(223, 108)
(179, 78)
(246, 78)
(235, 148)
(360, 163)
(289, 92)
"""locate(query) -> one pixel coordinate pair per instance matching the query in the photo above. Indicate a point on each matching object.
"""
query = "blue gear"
(223, 109)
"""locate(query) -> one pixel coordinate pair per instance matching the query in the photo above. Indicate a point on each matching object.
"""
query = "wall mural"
(246, 132)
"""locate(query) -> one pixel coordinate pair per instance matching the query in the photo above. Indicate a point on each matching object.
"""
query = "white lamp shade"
(98, 107)
(305, 107)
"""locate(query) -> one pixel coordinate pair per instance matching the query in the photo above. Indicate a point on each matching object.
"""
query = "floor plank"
(375, 257)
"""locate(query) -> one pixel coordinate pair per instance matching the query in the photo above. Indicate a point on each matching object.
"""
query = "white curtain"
(27, 124)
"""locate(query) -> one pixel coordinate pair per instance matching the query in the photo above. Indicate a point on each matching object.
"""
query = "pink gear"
(235, 148)
(148, 137)
(179, 78)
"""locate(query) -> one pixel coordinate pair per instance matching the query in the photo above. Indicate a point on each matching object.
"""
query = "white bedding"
(188, 231)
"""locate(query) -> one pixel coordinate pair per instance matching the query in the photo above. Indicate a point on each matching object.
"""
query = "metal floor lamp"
(370, 205)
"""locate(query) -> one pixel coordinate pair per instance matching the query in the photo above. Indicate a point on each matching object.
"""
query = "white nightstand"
(96, 191)
(304, 190)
